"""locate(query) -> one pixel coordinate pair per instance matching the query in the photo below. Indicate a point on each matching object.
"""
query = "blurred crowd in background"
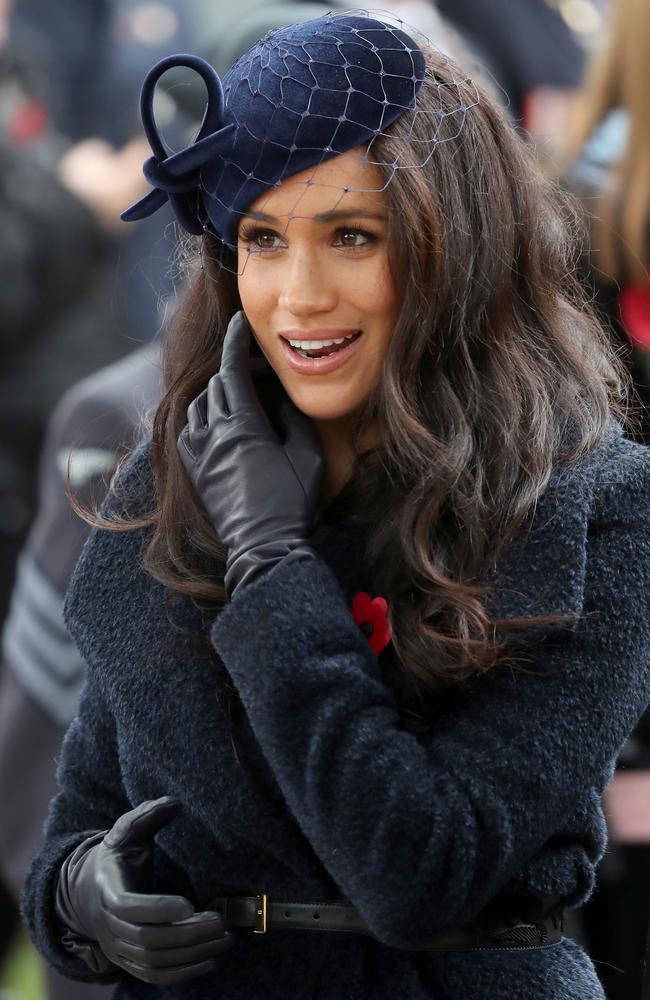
(84, 300)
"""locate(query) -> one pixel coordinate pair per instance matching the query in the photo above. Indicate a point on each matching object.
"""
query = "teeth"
(313, 345)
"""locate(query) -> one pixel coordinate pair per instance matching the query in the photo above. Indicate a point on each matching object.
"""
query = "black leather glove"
(261, 493)
(111, 920)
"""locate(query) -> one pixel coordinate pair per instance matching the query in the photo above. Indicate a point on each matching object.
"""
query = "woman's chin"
(322, 409)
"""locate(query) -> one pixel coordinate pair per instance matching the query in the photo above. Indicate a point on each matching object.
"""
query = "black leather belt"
(261, 915)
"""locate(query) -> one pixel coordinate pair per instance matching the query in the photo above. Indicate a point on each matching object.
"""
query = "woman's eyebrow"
(341, 213)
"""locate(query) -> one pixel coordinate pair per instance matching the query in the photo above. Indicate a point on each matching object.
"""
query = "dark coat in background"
(335, 801)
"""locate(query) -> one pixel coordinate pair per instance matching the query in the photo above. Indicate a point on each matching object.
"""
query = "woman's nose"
(305, 288)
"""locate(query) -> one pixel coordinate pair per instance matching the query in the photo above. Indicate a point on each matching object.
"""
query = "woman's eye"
(365, 236)
(258, 238)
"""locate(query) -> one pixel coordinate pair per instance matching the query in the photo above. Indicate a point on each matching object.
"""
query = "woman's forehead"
(346, 182)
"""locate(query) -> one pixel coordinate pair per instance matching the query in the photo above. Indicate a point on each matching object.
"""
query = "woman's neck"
(336, 441)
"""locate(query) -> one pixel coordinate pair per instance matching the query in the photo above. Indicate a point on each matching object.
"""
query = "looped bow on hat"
(177, 177)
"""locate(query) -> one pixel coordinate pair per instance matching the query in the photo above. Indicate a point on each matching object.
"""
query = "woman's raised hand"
(101, 897)
(261, 493)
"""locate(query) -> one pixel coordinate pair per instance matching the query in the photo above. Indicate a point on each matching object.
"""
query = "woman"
(365, 640)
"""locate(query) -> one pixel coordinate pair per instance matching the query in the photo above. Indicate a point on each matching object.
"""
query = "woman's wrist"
(72, 934)
(252, 563)
(66, 911)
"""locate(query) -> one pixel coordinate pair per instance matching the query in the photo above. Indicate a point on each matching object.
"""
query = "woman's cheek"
(385, 287)
(245, 298)
(256, 293)
(255, 316)
(372, 281)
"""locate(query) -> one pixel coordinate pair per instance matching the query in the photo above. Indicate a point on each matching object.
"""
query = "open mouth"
(325, 352)
(322, 360)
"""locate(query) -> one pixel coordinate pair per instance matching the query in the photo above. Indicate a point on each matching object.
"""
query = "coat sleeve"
(89, 800)
(421, 832)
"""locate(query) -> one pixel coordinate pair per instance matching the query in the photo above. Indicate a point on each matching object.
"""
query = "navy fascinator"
(302, 94)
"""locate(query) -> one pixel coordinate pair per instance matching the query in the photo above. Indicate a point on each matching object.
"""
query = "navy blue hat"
(302, 94)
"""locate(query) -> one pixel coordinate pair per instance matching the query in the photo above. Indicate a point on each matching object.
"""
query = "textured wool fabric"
(301, 95)
(335, 801)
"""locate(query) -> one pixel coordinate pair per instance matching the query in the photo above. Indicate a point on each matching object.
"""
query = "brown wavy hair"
(495, 354)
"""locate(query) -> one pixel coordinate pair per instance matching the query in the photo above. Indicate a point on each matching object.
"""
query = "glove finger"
(165, 958)
(164, 977)
(197, 413)
(206, 926)
(148, 908)
(234, 371)
(185, 449)
(216, 398)
(137, 827)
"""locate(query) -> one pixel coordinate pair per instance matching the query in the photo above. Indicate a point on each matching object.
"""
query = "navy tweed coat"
(337, 801)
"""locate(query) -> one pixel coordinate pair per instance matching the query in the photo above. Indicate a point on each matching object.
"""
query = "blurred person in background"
(536, 50)
(88, 58)
(610, 173)
(58, 209)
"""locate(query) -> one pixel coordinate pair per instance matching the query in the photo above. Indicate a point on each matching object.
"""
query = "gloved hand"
(261, 493)
(112, 921)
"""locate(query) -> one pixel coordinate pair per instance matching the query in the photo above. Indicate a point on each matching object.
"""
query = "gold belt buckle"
(261, 912)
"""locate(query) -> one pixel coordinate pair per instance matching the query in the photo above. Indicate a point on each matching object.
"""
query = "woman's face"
(302, 277)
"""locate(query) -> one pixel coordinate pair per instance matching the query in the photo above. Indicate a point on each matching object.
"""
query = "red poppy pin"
(372, 617)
